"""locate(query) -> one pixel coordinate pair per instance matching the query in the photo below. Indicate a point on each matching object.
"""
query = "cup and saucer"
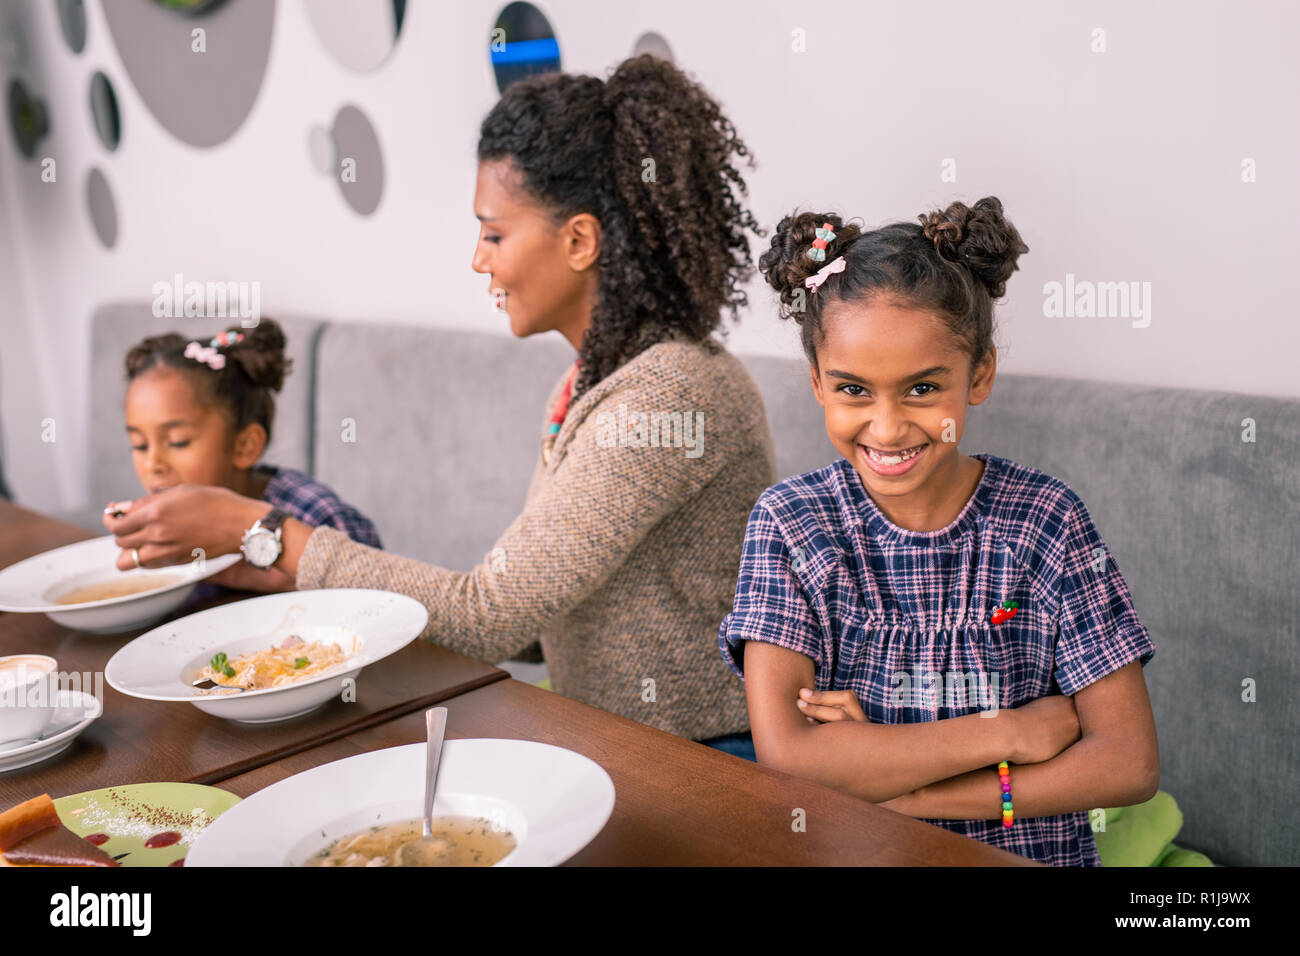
(38, 720)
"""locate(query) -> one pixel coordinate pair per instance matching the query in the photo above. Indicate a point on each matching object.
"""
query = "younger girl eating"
(908, 618)
(199, 412)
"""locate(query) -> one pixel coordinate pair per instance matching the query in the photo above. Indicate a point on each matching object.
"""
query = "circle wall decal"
(103, 107)
(360, 169)
(199, 74)
(28, 119)
(72, 21)
(521, 44)
(103, 209)
(655, 44)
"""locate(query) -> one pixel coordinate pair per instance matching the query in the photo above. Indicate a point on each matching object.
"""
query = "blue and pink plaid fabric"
(902, 618)
(315, 504)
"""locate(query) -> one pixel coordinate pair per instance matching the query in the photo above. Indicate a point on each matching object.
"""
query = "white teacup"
(29, 696)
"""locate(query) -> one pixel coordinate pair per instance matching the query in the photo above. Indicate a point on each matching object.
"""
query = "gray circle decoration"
(359, 160)
(359, 34)
(655, 44)
(201, 98)
(103, 210)
(28, 119)
(72, 21)
(103, 107)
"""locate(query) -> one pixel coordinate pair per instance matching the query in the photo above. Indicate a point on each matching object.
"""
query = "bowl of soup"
(499, 803)
(79, 587)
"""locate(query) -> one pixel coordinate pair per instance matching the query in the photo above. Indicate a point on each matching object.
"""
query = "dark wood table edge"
(365, 723)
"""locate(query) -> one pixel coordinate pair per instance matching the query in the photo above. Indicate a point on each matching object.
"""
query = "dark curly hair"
(674, 251)
(955, 263)
(255, 368)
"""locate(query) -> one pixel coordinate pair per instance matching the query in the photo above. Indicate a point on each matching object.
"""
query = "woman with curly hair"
(609, 213)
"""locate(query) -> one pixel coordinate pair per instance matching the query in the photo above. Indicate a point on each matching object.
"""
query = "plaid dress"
(902, 618)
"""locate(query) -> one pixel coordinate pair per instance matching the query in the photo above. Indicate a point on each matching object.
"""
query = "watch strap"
(273, 520)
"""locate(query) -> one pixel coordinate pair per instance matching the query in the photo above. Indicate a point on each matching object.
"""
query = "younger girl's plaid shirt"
(902, 618)
(315, 504)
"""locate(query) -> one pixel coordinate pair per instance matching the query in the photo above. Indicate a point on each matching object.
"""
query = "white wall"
(1122, 165)
(25, 388)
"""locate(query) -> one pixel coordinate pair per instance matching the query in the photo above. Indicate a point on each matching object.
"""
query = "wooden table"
(677, 802)
(137, 741)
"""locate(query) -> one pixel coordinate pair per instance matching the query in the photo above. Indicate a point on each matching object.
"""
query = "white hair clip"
(824, 273)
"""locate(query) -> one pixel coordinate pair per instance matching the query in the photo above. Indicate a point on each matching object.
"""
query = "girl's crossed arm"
(878, 762)
(1115, 764)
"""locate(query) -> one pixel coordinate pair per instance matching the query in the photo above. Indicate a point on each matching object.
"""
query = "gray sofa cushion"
(118, 326)
(447, 427)
(797, 423)
(1202, 525)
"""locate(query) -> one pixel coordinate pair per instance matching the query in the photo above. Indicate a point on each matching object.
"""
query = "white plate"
(77, 710)
(31, 586)
(552, 800)
(163, 664)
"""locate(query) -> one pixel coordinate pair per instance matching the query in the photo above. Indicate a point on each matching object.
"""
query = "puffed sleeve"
(770, 602)
(1099, 627)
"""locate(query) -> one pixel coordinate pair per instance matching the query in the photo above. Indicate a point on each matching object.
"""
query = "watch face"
(261, 549)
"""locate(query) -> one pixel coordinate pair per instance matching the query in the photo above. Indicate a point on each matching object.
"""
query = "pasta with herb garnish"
(288, 662)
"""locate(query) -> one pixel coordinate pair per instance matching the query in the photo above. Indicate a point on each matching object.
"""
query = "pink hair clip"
(824, 273)
(205, 354)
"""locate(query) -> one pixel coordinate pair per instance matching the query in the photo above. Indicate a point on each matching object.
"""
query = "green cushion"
(1142, 835)
(1177, 856)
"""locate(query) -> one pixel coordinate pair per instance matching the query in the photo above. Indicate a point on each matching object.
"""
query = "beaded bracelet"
(1004, 774)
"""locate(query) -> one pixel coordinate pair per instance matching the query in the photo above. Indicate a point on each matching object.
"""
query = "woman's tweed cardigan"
(625, 558)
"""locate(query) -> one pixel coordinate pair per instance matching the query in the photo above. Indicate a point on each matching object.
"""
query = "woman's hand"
(1043, 728)
(181, 524)
(824, 706)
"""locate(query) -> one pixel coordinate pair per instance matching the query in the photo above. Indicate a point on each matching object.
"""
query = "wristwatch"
(262, 547)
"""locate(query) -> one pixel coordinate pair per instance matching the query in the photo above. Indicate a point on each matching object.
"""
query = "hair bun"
(786, 264)
(980, 237)
(261, 354)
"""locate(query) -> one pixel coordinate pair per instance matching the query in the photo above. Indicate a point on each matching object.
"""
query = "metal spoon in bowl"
(427, 851)
(208, 683)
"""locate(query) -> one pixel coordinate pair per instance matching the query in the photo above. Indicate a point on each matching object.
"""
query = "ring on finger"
(135, 556)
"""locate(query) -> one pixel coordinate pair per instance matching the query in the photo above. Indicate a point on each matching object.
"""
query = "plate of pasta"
(268, 658)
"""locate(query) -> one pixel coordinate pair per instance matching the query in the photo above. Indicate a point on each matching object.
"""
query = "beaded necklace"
(558, 416)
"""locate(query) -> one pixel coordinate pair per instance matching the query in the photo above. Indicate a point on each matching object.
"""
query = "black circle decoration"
(28, 119)
(72, 21)
(103, 107)
(522, 44)
(103, 210)
(188, 7)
